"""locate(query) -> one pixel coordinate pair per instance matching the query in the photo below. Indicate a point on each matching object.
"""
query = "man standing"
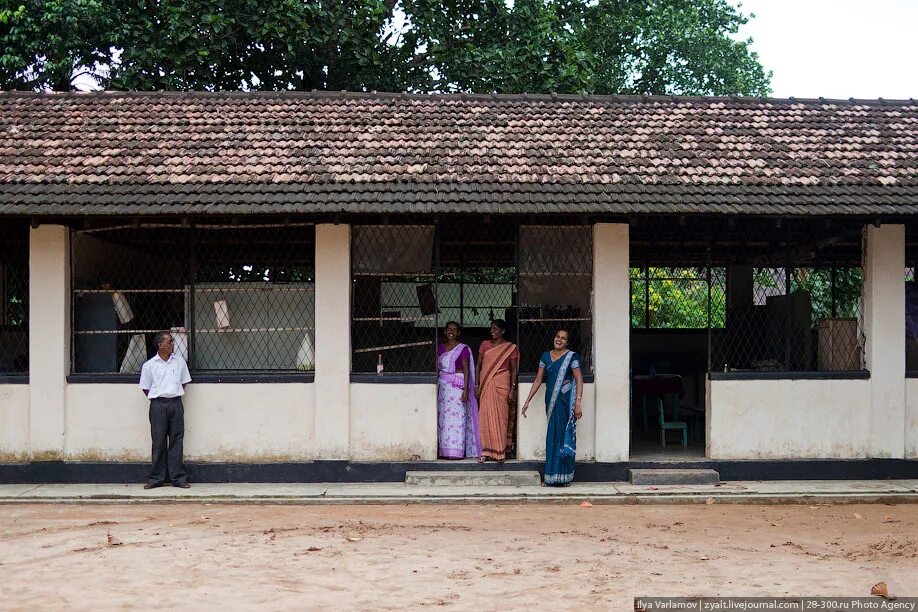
(163, 379)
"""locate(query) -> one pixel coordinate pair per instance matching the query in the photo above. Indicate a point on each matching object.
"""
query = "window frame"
(189, 279)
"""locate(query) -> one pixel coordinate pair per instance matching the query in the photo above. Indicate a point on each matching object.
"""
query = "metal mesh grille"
(556, 290)
(911, 298)
(237, 298)
(410, 280)
(776, 295)
(394, 304)
(14, 298)
(678, 298)
(253, 306)
(477, 276)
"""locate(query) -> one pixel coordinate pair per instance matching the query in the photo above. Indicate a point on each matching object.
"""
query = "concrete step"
(673, 477)
(457, 478)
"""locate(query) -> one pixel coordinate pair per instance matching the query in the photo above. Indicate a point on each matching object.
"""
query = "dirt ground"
(461, 557)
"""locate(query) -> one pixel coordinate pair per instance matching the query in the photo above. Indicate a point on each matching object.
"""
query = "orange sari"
(494, 404)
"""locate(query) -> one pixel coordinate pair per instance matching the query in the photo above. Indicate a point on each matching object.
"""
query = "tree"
(583, 46)
(679, 47)
(45, 44)
(607, 47)
(256, 44)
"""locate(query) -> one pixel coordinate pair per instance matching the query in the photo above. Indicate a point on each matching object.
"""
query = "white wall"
(611, 340)
(14, 423)
(531, 430)
(247, 423)
(791, 419)
(884, 326)
(393, 422)
(49, 338)
(781, 419)
(911, 418)
(333, 340)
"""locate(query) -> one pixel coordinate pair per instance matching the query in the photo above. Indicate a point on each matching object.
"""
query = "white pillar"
(611, 339)
(884, 326)
(49, 339)
(333, 341)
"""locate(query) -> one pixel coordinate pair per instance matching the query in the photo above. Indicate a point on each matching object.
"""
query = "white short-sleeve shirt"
(164, 378)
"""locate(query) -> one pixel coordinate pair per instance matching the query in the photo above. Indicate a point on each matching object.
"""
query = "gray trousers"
(167, 429)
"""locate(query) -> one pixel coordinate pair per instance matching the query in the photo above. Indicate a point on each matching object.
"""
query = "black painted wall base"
(59, 472)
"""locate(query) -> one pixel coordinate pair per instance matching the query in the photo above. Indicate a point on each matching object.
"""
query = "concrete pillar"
(884, 326)
(49, 339)
(611, 340)
(333, 341)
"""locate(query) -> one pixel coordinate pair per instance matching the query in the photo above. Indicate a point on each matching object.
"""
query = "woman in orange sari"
(498, 362)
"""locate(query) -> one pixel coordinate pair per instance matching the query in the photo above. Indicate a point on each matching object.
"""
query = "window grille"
(911, 298)
(236, 297)
(678, 298)
(774, 295)
(394, 304)
(410, 280)
(14, 298)
(556, 291)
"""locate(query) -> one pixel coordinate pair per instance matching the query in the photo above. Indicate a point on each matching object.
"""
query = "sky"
(836, 48)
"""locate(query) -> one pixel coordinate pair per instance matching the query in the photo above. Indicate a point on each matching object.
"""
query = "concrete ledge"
(755, 492)
(454, 478)
(673, 477)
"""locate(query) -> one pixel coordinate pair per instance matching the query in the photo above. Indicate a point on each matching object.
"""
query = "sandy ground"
(459, 557)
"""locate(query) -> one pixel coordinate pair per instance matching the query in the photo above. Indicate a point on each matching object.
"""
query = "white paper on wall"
(135, 356)
(122, 307)
(306, 355)
(222, 312)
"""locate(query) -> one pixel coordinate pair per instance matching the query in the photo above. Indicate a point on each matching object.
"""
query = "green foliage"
(44, 44)
(604, 46)
(255, 44)
(678, 298)
(672, 47)
(818, 282)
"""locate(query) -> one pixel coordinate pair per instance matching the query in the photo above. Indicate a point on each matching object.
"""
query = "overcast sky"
(837, 48)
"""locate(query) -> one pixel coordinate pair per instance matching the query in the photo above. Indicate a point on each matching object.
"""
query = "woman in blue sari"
(560, 368)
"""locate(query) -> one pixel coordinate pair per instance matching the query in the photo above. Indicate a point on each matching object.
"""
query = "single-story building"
(743, 265)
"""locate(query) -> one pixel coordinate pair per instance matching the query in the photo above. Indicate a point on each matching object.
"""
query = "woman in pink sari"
(457, 408)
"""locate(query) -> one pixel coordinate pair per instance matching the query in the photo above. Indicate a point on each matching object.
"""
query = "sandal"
(481, 460)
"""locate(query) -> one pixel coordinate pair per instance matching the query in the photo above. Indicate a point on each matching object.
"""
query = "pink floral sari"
(457, 421)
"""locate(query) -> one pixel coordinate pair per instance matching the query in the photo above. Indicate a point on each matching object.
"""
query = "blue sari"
(560, 400)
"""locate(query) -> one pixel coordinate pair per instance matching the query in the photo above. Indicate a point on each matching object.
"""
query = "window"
(14, 298)
(237, 298)
(678, 298)
(394, 301)
(254, 298)
(556, 291)
(911, 300)
(773, 294)
(410, 280)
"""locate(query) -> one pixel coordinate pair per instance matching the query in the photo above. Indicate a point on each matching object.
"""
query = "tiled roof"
(169, 153)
